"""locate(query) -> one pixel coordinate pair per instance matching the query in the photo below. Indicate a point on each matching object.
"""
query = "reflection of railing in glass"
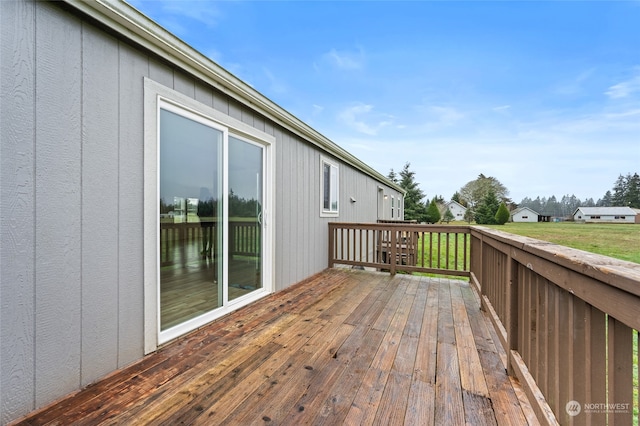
(244, 239)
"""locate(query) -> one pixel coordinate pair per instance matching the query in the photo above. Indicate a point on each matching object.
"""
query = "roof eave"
(128, 21)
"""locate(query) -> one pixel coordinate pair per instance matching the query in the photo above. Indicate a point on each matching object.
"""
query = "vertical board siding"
(184, 85)
(58, 197)
(17, 209)
(72, 185)
(204, 94)
(160, 72)
(99, 204)
(132, 68)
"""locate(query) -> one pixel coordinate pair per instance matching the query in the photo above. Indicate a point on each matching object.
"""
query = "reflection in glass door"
(190, 208)
(246, 166)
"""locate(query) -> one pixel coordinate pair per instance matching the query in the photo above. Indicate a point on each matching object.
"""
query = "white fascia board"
(129, 22)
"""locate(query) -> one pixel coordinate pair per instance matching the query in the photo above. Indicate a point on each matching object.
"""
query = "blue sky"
(542, 95)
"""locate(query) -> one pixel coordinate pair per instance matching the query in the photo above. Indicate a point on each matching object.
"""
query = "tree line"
(487, 199)
(625, 193)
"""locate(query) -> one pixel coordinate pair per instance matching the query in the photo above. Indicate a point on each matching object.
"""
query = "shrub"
(502, 215)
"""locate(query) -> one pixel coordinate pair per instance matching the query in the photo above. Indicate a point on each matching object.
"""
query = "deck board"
(343, 347)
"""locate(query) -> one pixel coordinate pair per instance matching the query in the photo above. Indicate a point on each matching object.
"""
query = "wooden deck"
(344, 347)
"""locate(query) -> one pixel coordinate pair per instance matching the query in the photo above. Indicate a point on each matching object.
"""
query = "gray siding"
(71, 186)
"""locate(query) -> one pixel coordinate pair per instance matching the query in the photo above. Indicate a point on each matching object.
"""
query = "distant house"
(456, 209)
(525, 214)
(606, 215)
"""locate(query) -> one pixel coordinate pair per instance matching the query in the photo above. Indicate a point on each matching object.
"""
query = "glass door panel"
(191, 257)
(246, 167)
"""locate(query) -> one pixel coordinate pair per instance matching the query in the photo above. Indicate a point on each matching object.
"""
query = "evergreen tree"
(393, 177)
(626, 191)
(606, 201)
(633, 190)
(433, 213)
(456, 197)
(468, 215)
(414, 209)
(618, 197)
(448, 216)
(502, 215)
(487, 209)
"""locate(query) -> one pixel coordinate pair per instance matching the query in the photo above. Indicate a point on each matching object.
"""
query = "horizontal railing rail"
(176, 238)
(407, 247)
(568, 321)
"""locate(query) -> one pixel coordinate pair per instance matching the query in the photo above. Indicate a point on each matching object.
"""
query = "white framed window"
(393, 206)
(329, 187)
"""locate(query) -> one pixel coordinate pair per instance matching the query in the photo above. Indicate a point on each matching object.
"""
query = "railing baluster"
(620, 373)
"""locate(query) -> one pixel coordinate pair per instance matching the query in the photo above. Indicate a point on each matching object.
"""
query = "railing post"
(511, 316)
(393, 254)
(331, 244)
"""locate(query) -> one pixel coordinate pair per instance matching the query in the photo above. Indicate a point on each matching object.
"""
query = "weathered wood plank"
(329, 399)
(471, 374)
(478, 409)
(298, 357)
(425, 365)
(420, 404)
(393, 405)
(449, 408)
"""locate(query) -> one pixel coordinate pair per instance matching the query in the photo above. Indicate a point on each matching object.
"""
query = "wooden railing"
(568, 322)
(567, 319)
(401, 247)
(176, 238)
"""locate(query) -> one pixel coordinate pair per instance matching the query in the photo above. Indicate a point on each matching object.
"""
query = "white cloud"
(502, 108)
(317, 109)
(357, 117)
(276, 85)
(445, 115)
(625, 88)
(435, 117)
(203, 12)
(345, 60)
(576, 85)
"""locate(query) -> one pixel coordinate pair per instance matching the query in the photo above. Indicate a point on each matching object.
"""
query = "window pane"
(190, 219)
(326, 187)
(334, 189)
(245, 217)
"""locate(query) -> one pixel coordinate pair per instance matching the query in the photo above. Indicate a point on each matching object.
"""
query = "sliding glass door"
(191, 255)
(211, 232)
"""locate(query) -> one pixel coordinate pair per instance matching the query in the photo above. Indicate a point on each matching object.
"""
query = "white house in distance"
(524, 214)
(605, 215)
(456, 209)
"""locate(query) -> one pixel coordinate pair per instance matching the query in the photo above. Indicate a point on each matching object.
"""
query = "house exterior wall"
(525, 215)
(71, 199)
(601, 215)
(457, 210)
(579, 217)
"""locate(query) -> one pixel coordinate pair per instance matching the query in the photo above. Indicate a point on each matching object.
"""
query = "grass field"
(621, 241)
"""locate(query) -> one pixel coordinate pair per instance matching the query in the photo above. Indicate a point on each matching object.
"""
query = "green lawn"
(621, 241)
